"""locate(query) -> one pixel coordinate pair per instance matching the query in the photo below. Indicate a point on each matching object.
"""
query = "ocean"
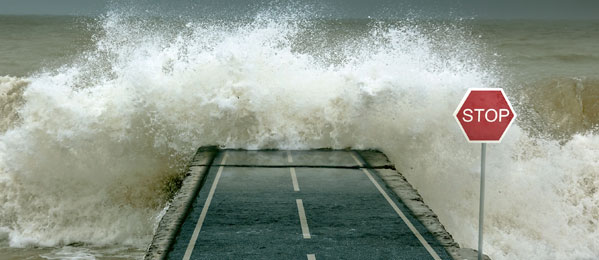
(98, 116)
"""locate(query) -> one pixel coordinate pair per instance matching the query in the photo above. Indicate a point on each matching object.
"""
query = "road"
(321, 204)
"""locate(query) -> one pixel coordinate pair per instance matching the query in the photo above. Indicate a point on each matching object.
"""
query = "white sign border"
(455, 114)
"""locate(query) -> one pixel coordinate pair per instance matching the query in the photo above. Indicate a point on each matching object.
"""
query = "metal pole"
(481, 207)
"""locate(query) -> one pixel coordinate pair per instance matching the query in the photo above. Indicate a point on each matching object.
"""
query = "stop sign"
(484, 115)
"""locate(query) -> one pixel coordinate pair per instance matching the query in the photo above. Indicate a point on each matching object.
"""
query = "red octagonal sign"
(484, 115)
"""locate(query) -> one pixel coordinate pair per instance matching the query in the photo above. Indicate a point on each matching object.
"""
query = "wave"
(564, 58)
(561, 107)
(87, 149)
(11, 91)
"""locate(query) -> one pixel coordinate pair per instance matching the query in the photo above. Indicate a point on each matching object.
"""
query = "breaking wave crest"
(86, 150)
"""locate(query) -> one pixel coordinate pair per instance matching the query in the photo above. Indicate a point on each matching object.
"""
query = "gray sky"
(503, 9)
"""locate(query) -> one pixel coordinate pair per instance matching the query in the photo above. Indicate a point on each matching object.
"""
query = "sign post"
(481, 205)
(484, 115)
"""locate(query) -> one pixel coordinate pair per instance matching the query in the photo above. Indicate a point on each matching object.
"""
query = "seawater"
(99, 115)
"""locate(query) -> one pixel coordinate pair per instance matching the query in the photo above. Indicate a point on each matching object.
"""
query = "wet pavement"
(323, 204)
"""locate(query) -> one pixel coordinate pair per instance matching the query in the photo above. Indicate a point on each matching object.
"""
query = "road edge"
(396, 182)
(177, 209)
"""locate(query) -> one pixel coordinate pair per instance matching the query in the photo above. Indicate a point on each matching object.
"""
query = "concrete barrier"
(177, 210)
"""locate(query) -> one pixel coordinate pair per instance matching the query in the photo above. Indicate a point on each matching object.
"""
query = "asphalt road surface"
(299, 205)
